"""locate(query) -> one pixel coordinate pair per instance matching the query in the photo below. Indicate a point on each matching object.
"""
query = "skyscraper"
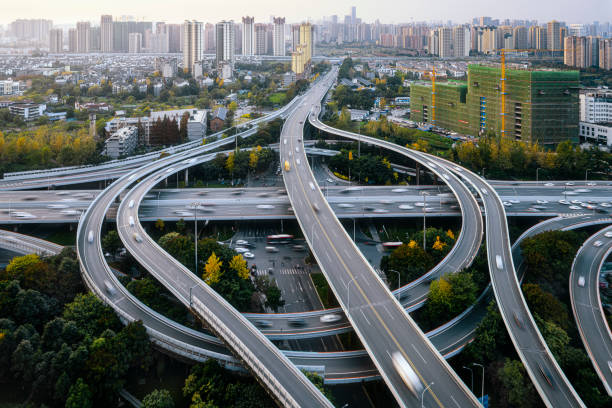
(225, 42)
(209, 37)
(248, 36)
(461, 41)
(106, 33)
(192, 44)
(82, 29)
(261, 38)
(72, 40)
(278, 42)
(174, 37)
(120, 36)
(56, 41)
(446, 41)
(94, 39)
(353, 15)
(135, 43)
(553, 35)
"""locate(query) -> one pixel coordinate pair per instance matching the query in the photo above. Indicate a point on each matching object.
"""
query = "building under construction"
(537, 106)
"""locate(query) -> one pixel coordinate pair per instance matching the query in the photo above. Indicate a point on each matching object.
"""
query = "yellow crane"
(433, 94)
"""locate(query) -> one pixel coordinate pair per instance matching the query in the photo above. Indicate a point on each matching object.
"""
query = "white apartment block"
(596, 133)
(28, 111)
(10, 87)
(596, 106)
(122, 142)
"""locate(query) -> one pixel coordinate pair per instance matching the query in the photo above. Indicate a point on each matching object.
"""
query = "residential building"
(82, 33)
(10, 87)
(31, 30)
(175, 35)
(209, 37)
(56, 41)
(135, 43)
(446, 42)
(106, 33)
(605, 54)
(461, 41)
(261, 39)
(192, 44)
(122, 142)
(94, 39)
(225, 42)
(596, 105)
(540, 106)
(28, 111)
(121, 37)
(248, 35)
(72, 40)
(519, 36)
(598, 133)
(218, 120)
(279, 37)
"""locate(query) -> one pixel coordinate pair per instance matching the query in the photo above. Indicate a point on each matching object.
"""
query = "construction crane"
(433, 94)
(502, 87)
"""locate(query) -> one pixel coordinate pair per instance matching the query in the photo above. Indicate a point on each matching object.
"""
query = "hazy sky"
(388, 11)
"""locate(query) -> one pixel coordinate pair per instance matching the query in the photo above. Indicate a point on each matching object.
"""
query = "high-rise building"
(295, 37)
(135, 43)
(302, 57)
(307, 38)
(485, 21)
(94, 39)
(106, 33)
(577, 30)
(209, 37)
(174, 37)
(32, 30)
(261, 39)
(519, 35)
(461, 41)
(121, 37)
(237, 39)
(540, 106)
(72, 40)
(605, 53)
(592, 51)
(446, 41)
(278, 41)
(56, 41)
(82, 29)
(192, 44)
(248, 36)
(353, 15)
(541, 39)
(553, 35)
(225, 42)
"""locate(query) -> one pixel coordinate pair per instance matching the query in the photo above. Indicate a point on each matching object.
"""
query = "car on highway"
(549, 184)
(262, 323)
(298, 161)
(311, 185)
(264, 194)
(241, 242)
(241, 250)
(517, 320)
(406, 373)
(419, 204)
(297, 149)
(575, 207)
(569, 183)
(131, 221)
(545, 374)
(69, 212)
(605, 205)
(597, 243)
(386, 202)
(298, 248)
(515, 201)
(271, 249)
(248, 255)
(541, 202)
(406, 207)
(90, 237)
(287, 165)
(582, 190)
(109, 288)
(330, 318)
(507, 204)
(57, 206)
(137, 237)
(576, 202)
(608, 234)
(316, 207)
(296, 322)
(345, 205)
(383, 211)
(564, 202)
(581, 281)
(484, 191)
(265, 206)
(399, 190)
(591, 184)
(499, 262)
(131, 204)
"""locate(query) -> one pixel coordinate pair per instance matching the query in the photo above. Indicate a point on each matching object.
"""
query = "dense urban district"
(321, 213)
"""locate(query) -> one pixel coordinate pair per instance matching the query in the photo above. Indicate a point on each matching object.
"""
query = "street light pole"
(472, 374)
(482, 386)
(586, 176)
(423, 394)
(537, 178)
(424, 194)
(398, 282)
(348, 303)
(195, 237)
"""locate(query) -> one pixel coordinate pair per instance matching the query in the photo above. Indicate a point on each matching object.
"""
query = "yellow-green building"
(540, 106)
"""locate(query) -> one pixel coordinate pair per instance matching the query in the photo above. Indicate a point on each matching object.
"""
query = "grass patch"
(324, 291)
(277, 98)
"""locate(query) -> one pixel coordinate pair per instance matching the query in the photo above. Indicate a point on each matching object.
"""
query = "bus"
(279, 239)
(389, 246)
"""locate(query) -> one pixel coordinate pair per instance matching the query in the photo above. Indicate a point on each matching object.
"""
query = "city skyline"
(70, 11)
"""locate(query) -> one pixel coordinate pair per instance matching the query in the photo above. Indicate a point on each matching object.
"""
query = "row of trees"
(47, 146)
(367, 167)
(72, 353)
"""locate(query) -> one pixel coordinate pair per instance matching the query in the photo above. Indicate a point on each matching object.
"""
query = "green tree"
(273, 298)
(545, 305)
(91, 315)
(520, 391)
(79, 396)
(159, 224)
(158, 399)
(111, 242)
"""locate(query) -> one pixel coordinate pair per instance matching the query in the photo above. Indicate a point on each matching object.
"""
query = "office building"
(278, 41)
(540, 106)
(553, 35)
(135, 43)
(225, 42)
(56, 41)
(106, 33)
(248, 36)
(10, 87)
(192, 44)
(596, 105)
(122, 142)
(72, 40)
(82, 32)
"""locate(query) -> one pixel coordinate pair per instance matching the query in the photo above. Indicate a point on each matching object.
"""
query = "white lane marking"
(420, 355)
(364, 316)
(385, 306)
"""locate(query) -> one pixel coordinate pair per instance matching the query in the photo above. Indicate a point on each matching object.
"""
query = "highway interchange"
(325, 234)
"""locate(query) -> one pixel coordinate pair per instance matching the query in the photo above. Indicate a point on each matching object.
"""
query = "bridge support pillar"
(186, 177)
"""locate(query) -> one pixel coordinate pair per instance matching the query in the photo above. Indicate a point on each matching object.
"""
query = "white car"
(311, 185)
(406, 207)
(574, 207)
(241, 250)
(576, 202)
(345, 205)
(591, 184)
(582, 190)
(330, 180)
(248, 255)
(330, 318)
(380, 210)
(297, 149)
(597, 243)
(548, 184)
(57, 206)
(399, 190)
(514, 201)
(298, 162)
(385, 201)
(569, 183)
(564, 202)
(507, 204)
(242, 242)
(608, 234)
(542, 202)
(265, 206)
(581, 281)
(419, 204)
(137, 237)
(605, 204)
